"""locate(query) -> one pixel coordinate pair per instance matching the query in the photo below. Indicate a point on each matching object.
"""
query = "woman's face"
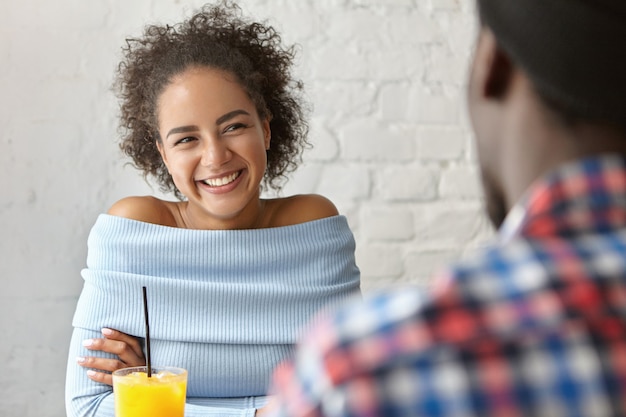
(213, 142)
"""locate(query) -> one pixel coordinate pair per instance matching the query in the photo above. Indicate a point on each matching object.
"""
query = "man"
(534, 325)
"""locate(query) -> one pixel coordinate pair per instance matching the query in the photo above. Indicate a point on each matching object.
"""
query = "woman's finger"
(100, 377)
(125, 352)
(132, 341)
(101, 364)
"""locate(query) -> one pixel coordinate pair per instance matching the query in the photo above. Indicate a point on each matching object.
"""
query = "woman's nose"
(215, 153)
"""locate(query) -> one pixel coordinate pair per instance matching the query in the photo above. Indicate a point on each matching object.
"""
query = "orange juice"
(161, 395)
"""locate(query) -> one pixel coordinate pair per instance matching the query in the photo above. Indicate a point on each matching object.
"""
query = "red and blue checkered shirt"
(534, 325)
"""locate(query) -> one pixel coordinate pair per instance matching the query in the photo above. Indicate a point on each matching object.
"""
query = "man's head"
(544, 72)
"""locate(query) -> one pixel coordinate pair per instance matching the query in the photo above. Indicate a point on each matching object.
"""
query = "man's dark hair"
(573, 51)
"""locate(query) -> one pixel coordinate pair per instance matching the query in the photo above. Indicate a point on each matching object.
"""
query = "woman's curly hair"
(217, 36)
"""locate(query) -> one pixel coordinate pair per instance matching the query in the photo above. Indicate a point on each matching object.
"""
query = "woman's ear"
(159, 146)
(267, 133)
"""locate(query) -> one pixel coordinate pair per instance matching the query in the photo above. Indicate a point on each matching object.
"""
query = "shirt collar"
(584, 195)
(512, 224)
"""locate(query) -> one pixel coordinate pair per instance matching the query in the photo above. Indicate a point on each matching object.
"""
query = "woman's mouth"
(219, 182)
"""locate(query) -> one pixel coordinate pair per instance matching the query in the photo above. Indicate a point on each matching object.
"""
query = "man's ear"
(494, 67)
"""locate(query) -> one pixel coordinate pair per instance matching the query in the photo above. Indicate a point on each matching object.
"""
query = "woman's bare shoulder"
(301, 208)
(144, 209)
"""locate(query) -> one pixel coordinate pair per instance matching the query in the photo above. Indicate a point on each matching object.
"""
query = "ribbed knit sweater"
(227, 305)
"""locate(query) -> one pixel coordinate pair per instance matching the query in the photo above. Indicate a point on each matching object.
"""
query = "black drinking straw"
(145, 313)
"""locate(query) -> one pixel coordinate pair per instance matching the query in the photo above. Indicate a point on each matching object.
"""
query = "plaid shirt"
(533, 326)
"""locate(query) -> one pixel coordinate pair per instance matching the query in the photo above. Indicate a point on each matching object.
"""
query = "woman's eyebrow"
(220, 120)
(230, 115)
(183, 129)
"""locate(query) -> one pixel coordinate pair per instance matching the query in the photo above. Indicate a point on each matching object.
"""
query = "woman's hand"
(127, 348)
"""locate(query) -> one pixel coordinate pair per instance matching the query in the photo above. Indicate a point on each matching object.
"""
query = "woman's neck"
(189, 216)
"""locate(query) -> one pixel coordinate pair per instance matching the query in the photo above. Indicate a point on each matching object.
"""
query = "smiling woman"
(211, 112)
(214, 148)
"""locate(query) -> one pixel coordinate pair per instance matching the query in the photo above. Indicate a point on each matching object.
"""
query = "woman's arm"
(84, 397)
(90, 395)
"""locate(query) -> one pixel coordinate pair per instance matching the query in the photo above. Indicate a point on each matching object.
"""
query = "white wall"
(392, 149)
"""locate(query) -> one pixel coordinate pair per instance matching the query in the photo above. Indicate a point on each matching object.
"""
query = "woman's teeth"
(218, 182)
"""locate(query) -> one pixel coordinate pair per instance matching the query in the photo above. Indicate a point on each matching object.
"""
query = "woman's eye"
(185, 140)
(235, 126)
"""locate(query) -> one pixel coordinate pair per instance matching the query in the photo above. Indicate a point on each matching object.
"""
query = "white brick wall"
(392, 150)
